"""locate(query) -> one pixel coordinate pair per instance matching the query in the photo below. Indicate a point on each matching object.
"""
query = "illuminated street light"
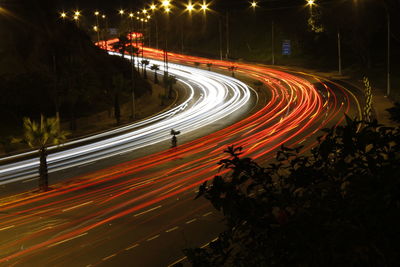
(204, 7)
(166, 3)
(95, 28)
(167, 10)
(148, 17)
(153, 7)
(131, 15)
(254, 4)
(63, 15)
(190, 7)
(121, 12)
(103, 16)
(77, 13)
(310, 2)
(144, 11)
(96, 13)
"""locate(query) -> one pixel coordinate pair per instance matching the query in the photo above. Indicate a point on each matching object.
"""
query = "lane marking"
(87, 164)
(154, 237)
(176, 187)
(178, 261)
(141, 183)
(109, 257)
(184, 258)
(8, 227)
(208, 213)
(77, 206)
(147, 211)
(132, 247)
(172, 229)
(66, 240)
(29, 180)
(188, 222)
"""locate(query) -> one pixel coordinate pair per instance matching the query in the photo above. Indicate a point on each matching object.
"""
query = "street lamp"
(254, 4)
(97, 13)
(76, 16)
(190, 7)
(204, 7)
(166, 3)
(63, 15)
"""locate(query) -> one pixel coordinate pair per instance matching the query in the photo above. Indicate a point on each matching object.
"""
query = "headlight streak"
(220, 97)
(296, 111)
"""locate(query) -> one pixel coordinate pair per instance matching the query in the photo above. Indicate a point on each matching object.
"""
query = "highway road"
(138, 209)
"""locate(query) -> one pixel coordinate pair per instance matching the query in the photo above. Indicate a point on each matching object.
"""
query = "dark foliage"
(339, 206)
(395, 112)
(50, 66)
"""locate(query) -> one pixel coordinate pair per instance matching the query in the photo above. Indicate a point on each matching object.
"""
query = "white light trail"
(211, 97)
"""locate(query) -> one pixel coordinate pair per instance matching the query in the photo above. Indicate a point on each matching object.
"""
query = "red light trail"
(293, 114)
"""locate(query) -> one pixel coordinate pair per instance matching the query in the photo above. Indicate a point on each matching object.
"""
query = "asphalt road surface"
(138, 208)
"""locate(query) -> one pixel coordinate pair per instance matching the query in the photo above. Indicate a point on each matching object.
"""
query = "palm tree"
(145, 63)
(40, 135)
(171, 80)
(122, 44)
(119, 84)
(209, 65)
(155, 68)
(133, 50)
(174, 141)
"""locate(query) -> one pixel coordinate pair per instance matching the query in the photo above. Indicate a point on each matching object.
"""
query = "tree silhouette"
(338, 206)
(395, 112)
(145, 63)
(39, 136)
(155, 68)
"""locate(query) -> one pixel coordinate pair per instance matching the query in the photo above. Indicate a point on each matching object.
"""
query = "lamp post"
(339, 52)
(105, 37)
(97, 13)
(167, 10)
(153, 8)
(77, 14)
(133, 80)
(388, 87)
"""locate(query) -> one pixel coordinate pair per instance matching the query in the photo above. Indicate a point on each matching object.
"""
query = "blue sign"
(286, 48)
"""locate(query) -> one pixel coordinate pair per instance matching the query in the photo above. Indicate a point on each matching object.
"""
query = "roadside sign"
(286, 48)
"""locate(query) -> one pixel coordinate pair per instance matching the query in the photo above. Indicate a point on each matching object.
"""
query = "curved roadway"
(141, 212)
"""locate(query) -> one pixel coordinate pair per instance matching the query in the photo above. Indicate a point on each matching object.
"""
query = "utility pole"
(273, 43)
(133, 80)
(339, 52)
(388, 53)
(227, 35)
(220, 38)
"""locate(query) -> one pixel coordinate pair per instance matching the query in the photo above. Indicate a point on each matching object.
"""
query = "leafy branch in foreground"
(338, 206)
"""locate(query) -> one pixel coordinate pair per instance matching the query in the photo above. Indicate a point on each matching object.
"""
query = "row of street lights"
(167, 7)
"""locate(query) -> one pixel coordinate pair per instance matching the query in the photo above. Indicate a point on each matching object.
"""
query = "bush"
(339, 206)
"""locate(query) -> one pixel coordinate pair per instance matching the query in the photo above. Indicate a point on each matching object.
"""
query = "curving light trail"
(295, 108)
(211, 97)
